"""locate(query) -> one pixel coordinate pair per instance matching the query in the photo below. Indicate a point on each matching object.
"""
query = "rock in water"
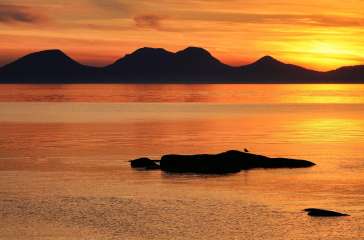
(144, 163)
(316, 212)
(201, 163)
(226, 162)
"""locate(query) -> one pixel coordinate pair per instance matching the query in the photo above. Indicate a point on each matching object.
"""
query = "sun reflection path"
(327, 93)
(334, 130)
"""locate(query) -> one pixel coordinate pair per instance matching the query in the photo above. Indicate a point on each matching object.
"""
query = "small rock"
(316, 212)
(144, 163)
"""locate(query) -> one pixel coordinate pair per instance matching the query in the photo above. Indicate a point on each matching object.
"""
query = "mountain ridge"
(157, 65)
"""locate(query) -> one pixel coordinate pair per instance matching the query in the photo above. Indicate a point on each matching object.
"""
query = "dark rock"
(316, 212)
(144, 163)
(226, 162)
(201, 163)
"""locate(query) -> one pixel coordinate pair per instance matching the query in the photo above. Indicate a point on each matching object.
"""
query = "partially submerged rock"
(201, 163)
(226, 162)
(316, 212)
(144, 163)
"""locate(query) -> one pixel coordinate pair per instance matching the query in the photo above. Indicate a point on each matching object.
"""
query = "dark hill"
(156, 65)
(45, 66)
(143, 61)
(189, 65)
(267, 69)
(195, 60)
(354, 74)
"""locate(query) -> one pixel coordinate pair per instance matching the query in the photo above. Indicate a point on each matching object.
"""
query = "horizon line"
(173, 52)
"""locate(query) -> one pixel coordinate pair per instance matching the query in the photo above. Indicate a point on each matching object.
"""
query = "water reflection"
(57, 139)
(65, 171)
(332, 130)
(217, 93)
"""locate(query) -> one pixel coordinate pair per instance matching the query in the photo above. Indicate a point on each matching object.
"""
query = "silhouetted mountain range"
(156, 65)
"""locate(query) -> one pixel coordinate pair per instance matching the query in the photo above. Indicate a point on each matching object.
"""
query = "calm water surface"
(64, 152)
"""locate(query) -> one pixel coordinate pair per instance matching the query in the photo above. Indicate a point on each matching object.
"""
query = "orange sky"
(320, 34)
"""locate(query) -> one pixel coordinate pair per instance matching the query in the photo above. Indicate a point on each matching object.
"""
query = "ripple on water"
(132, 218)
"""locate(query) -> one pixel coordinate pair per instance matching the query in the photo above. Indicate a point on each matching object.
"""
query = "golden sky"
(319, 34)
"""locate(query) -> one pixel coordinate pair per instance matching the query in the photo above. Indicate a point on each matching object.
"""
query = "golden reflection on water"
(130, 130)
(64, 154)
(328, 93)
(332, 129)
(213, 93)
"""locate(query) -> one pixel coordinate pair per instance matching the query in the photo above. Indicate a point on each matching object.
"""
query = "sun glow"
(321, 35)
(329, 48)
(324, 55)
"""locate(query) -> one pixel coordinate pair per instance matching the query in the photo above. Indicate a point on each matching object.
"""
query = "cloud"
(148, 21)
(14, 13)
(111, 6)
(269, 18)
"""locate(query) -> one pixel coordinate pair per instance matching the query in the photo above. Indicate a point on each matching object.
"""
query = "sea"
(65, 171)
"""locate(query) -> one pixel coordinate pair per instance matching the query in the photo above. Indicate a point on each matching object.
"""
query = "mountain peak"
(46, 56)
(194, 51)
(46, 61)
(51, 51)
(145, 54)
(149, 50)
(48, 53)
(267, 60)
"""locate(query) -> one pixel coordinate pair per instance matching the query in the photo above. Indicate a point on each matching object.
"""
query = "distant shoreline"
(158, 66)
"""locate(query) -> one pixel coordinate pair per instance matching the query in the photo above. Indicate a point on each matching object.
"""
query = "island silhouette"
(231, 161)
(157, 65)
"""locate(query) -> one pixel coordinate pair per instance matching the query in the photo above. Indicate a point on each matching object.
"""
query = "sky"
(318, 34)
